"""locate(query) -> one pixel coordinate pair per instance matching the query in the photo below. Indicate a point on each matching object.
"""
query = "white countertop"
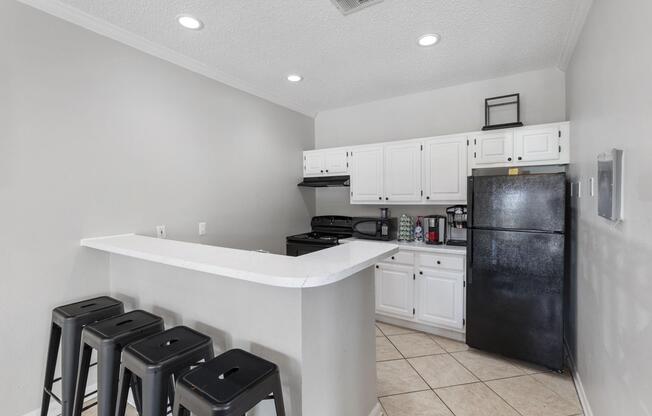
(405, 245)
(310, 270)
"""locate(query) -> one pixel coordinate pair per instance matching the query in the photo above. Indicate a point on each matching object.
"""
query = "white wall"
(448, 110)
(97, 138)
(610, 105)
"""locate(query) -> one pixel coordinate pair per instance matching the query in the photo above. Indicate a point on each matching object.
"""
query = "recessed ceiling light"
(189, 22)
(295, 78)
(429, 40)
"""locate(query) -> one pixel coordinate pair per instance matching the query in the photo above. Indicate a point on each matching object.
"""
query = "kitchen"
(123, 123)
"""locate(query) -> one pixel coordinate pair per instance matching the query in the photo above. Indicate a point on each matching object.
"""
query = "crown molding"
(109, 30)
(578, 19)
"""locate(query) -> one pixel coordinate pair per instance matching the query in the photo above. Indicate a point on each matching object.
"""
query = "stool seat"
(229, 385)
(108, 337)
(229, 375)
(120, 329)
(166, 347)
(156, 362)
(85, 310)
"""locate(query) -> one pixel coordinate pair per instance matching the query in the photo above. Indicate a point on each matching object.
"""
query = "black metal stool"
(156, 361)
(228, 385)
(108, 338)
(67, 324)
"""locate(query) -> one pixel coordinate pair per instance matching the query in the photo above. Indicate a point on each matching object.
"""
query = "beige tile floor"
(425, 375)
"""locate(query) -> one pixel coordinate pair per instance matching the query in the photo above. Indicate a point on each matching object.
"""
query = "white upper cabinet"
(313, 163)
(336, 162)
(367, 174)
(493, 148)
(328, 162)
(541, 143)
(546, 144)
(402, 172)
(444, 173)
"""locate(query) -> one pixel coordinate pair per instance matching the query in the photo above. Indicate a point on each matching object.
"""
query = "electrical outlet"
(161, 231)
(202, 228)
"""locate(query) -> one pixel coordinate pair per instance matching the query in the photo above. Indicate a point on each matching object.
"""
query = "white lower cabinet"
(440, 298)
(395, 290)
(424, 287)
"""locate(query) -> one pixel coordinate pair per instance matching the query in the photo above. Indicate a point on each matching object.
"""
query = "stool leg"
(50, 366)
(69, 365)
(123, 391)
(108, 370)
(82, 378)
(179, 410)
(278, 397)
(155, 397)
(135, 391)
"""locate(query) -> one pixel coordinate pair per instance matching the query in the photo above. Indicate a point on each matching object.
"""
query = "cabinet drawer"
(402, 257)
(442, 261)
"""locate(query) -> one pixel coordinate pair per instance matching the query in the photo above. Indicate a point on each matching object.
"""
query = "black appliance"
(325, 181)
(516, 258)
(326, 232)
(375, 228)
(456, 221)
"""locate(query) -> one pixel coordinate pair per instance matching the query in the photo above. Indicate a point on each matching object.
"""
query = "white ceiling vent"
(350, 6)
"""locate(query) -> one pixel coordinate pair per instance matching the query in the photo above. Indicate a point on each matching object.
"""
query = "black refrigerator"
(516, 258)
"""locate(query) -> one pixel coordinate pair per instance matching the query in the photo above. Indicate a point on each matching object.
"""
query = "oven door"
(366, 229)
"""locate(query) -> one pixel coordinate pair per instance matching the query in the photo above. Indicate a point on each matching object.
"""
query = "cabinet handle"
(427, 197)
(520, 158)
(438, 262)
(386, 199)
(380, 198)
(322, 171)
(326, 170)
(377, 266)
(393, 258)
(509, 159)
(420, 272)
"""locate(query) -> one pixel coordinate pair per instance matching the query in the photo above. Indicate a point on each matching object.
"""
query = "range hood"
(326, 181)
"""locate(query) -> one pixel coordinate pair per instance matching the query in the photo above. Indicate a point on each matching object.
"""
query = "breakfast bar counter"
(312, 315)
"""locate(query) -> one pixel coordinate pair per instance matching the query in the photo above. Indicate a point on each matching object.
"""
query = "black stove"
(326, 232)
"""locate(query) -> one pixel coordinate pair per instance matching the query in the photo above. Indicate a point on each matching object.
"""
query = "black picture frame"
(501, 101)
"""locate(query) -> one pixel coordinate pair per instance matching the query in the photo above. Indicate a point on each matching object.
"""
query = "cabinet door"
(440, 298)
(493, 148)
(538, 144)
(367, 174)
(402, 172)
(445, 169)
(395, 290)
(335, 162)
(313, 163)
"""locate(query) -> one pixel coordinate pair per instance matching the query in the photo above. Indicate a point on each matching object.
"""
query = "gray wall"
(609, 105)
(98, 138)
(449, 110)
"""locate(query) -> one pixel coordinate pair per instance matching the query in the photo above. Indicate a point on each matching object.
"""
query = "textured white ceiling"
(369, 55)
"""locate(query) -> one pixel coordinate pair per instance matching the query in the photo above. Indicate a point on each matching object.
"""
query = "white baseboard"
(581, 393)
(377, 410)
(446, 333)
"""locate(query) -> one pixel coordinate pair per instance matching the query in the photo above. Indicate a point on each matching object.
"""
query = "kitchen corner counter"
(413, 246)
(311, 270)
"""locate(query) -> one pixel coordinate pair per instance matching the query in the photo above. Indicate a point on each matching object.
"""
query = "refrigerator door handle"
(469, 258)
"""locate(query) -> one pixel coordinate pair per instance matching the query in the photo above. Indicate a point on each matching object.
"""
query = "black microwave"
(375, 228)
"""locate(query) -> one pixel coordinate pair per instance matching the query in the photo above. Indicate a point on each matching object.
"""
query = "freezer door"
(515, 295)
(522, 202)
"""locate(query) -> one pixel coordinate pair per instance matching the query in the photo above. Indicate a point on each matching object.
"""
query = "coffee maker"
(434, 229)
(457, 216)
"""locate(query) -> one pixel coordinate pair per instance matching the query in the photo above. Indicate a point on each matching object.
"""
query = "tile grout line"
(482, 381)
